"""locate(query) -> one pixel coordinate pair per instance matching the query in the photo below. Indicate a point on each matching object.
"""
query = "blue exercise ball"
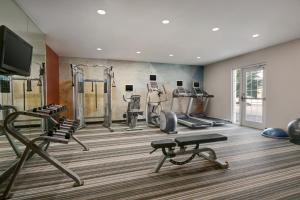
(294, 131)
(275, 133)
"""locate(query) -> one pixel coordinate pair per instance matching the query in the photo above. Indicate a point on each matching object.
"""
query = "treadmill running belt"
(192, 123)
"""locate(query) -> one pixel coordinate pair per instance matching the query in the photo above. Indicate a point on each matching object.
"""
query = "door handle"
(243, 98)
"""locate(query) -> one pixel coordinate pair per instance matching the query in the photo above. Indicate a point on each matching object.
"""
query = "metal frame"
(206, 153)
(108, 84)
(204, 97)
(158, 104)
(65, 125)
(77, 76)
(33, 148)
(133, 111)
(187, 120)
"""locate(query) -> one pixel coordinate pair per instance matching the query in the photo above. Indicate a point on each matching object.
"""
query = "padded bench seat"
(199, 139)
(168, 143)
(188, 140)
(168, 147)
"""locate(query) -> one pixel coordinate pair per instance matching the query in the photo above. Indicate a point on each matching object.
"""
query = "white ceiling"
(74, 29)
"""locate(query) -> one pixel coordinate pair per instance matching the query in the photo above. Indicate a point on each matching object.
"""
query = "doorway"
(248, 96)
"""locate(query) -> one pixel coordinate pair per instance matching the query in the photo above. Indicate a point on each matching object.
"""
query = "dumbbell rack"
(40, 144)
(64, 128)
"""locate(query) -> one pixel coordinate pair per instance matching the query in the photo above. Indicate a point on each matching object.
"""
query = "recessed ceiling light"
(99, 49)
(171, 55)
(138, 52)
(101, 12)
(198, 57)
(255, 35)
(165, 21)
(215, 29)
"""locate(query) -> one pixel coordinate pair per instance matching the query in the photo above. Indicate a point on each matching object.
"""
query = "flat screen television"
(179, 83)
(196, 84)
(152, 77)
(15, 53)
(129, 88)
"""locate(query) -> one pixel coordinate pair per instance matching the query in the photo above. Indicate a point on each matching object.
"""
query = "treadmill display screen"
(152, 77)
(180, 83)
(196, 84)
(128, 88)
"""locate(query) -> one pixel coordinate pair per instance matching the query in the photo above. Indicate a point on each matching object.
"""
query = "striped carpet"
(119, 166)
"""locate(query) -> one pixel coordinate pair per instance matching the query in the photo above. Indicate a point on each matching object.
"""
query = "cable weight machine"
(78, 81)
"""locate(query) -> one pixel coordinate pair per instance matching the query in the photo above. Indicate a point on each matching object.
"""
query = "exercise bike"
(155, 115)
(133, 108)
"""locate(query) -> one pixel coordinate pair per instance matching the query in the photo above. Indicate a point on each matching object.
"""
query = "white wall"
(12, 16)
(282, 83)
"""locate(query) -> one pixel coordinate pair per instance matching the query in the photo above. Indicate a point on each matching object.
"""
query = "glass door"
(249, 96)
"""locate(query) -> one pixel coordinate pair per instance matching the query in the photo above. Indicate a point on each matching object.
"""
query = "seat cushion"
(199, 139)
(167, 143)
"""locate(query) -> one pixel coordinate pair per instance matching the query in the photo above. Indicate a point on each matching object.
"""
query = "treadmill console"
(180, 91)
(197, 91)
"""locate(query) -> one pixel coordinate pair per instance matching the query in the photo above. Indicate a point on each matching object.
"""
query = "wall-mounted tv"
(179, 83)
(196, 84)
(152, 77)
(15, 53)
(129, 88)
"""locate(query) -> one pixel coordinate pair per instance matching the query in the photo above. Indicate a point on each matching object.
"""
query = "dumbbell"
(69, 123)
(55, 109)
(40, 110)
(65, 134)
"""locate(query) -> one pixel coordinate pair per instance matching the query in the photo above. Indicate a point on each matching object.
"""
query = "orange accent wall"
(52, 76)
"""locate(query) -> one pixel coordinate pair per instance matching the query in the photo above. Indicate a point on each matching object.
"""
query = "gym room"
(144, 99)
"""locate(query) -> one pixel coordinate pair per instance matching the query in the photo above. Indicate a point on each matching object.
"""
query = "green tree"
(254, 83)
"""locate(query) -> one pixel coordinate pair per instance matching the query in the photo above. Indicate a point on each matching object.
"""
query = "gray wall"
(12, 16)
(282, 83)
(136, 73)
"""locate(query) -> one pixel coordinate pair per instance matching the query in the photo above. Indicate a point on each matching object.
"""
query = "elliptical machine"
(155, 115)
(133, 108)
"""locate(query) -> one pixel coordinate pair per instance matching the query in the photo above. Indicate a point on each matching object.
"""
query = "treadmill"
(184, 118)
(198, 93)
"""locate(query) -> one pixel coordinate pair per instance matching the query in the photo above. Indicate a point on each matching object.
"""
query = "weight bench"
(168, 147)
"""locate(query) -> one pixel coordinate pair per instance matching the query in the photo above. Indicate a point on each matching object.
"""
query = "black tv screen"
(180, 83)
(196, 84)
(15, 53)
(128, 88)
(152, 77)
